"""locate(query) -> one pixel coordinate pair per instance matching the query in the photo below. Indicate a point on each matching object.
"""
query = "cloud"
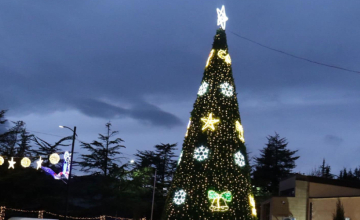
(333, 140)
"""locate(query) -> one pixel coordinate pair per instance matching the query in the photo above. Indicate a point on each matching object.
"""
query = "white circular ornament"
(201, 153)
(227, 89)
(179, 197)
(25, 162)
(239, 159)
(1, 160)
(54, 158)
(203, 88)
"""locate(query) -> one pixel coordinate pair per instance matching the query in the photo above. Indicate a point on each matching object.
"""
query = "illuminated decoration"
(25, 162)
(210, 55)
(11, 163)
(240, 129)
(219, 201)
(209, 122)
(239, 159)
(203, 88)
(222, 17)
(39, 162)
(65, 171)
(1, 160)
(54, 158)
(227, 89)
(187, 129)
(252, 205)
(201, 153)
(179, 197)
(225, 56)
(180, 157)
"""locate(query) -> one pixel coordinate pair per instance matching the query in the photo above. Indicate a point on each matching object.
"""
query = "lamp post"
(153, 198)
(71, 160)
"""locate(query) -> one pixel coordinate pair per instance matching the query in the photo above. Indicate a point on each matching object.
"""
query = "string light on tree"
(179, 197)
(225, 56)
(1, 160)
(11, 163)
(209, 122)
(39, 162)
(239, 159)
(252, 205)
(240, 129)
(219, 201)
(209, 58)
(187, 129)
(25, 162)
(227, 89)
(222, 17)
(54, 158)
(203, 88)
(180, 157)
(201, 153)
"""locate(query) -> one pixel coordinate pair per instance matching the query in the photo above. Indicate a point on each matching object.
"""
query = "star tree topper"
(222, 17)
(209, 122)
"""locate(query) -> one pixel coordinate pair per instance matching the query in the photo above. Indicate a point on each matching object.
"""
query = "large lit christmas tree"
(212, 180)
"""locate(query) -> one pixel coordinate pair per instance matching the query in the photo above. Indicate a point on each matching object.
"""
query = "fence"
(40, 214)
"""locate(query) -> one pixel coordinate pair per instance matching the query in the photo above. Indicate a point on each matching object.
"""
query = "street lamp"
(71, 160)
(153, 198)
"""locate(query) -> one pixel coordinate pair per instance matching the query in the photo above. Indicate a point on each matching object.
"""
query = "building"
(312, 198)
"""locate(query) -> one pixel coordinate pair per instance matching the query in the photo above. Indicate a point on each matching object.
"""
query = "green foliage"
(103, 155)
(275, 163)
(323, 171)
(339, 211)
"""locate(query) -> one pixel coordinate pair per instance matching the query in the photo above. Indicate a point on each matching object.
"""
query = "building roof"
(335, 182)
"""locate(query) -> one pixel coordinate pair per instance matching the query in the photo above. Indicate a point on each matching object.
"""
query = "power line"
(294, 56)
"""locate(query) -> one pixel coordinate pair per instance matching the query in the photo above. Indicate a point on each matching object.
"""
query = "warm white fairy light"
(252, 205)
(239, 159)
(54, 158)
(11, 163)
(25, 162)
(222, 17)
(209, 122)
(201, 153)
(203, 88)
(210, 55)
(179, 197)
(225, 56)
(1, 160)
(227, 89)
(240, 129)
(39, 162)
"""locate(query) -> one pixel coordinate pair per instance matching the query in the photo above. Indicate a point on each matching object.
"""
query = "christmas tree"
(212, 179)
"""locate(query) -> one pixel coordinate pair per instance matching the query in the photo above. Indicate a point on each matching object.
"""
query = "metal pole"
(153, 198)
(68, 183)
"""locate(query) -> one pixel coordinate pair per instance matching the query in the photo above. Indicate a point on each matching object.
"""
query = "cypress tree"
(212, 177)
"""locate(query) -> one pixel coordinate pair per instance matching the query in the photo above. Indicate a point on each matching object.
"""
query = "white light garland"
(180, 157)
(222, 17)
(201, 153)
(187, 129)
(179, 197)
(227, 89)
(203, 88)
(239, 159)
(240, 129)
(25, 162)
(210, 55)
(11, 163)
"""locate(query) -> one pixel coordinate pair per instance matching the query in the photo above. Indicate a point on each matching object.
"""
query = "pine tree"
(212, 179)
(103, 155)
(339, 212)
(275, 163)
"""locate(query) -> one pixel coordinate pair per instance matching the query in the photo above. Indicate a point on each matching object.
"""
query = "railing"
(41, 213)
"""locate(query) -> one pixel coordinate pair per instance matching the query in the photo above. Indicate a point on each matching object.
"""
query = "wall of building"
(324, 208)
(291, 206)
(324, 190)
